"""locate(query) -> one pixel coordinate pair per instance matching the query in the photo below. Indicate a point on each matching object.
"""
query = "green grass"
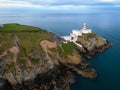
(66, 49)
(14, 27)
(34, 61)
(31, 41)
(5, 38)
(88, 35)
(23, 52)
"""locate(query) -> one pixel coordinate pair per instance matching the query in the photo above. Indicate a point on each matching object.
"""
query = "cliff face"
(39, 60)
(92, 43)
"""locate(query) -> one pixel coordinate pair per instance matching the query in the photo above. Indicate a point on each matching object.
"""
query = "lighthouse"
(76, 33)
(84, 26)
(85, 29)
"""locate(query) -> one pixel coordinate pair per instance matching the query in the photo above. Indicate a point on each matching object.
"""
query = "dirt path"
(14, 50)
(46, 45)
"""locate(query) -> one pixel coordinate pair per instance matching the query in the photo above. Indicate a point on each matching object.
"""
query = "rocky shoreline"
(89, 54)
(45, 62)
(58, 78)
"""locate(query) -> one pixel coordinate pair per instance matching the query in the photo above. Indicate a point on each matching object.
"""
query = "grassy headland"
(14, 27)
(29, 36)
(33, 51)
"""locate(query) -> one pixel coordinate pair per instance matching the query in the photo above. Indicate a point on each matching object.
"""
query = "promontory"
(34, 59)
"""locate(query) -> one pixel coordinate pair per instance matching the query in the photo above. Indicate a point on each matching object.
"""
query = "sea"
(107, 25)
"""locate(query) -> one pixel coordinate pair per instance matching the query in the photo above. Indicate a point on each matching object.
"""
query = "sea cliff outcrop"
(34, 59)
(92, 43)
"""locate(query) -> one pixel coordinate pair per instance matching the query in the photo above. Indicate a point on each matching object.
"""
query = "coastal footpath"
(34, 59)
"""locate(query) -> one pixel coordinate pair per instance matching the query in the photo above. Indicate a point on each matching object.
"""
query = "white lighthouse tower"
(84, 26)
(85, 30)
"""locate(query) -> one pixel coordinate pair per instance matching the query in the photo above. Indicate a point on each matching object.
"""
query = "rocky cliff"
(34, 59)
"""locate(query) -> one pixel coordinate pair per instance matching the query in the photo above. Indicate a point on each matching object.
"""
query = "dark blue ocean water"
(106, 63)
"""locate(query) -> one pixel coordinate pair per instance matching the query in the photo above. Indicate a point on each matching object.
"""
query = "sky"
(85, 6)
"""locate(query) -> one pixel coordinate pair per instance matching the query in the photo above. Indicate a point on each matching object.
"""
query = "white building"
(75, 33)
(67, 38)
